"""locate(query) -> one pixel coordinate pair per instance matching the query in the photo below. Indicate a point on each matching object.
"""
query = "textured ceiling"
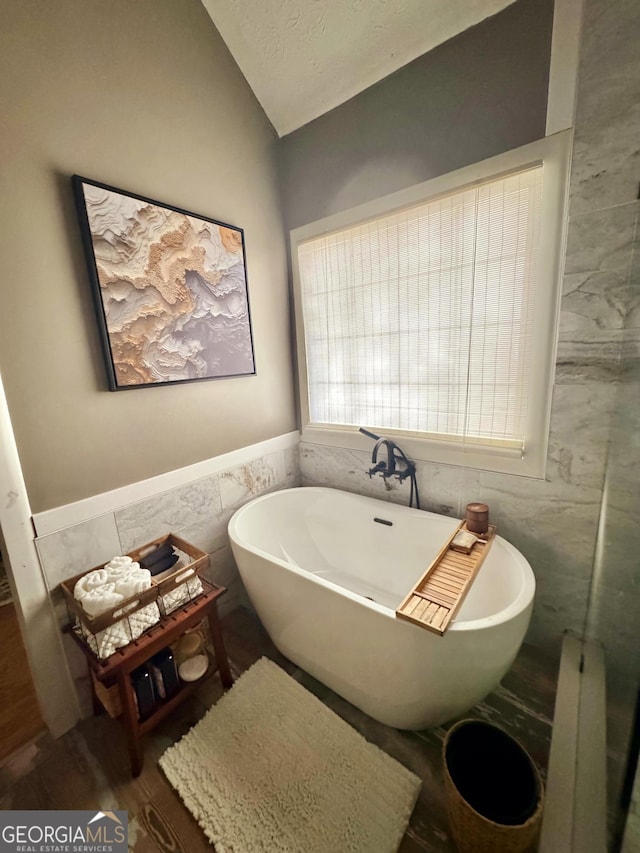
(304, 57)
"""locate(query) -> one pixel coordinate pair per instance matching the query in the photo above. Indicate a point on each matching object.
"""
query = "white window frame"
(554, 153)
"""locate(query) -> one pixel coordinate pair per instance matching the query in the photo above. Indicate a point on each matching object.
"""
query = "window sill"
(502, 460)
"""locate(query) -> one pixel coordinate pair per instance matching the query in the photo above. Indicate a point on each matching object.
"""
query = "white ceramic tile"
(607, 127)
(243, 482)
(579, 362)
(222, 567)
(447, 489)
(236, 486)
(338, 468)
(207, 532)
(291, 460)
(594, 305)
(579, 434)
(169, 512)
(613, 618)
(624, 456)
(601, 146)
(560, 605)
(551, 524)
(76, 549)
(600, 240)
(597, 297)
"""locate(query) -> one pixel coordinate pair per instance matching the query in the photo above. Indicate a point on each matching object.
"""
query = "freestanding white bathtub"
(325, 574)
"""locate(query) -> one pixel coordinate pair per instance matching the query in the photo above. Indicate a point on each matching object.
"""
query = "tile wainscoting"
(198, 511)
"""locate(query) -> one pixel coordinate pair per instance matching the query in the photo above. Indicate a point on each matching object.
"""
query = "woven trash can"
(493, 790)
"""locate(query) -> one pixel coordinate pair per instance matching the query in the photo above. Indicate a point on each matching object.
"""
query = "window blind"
(422, 320)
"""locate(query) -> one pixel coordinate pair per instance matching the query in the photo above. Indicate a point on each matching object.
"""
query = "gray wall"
(143, 96)
(477, 95)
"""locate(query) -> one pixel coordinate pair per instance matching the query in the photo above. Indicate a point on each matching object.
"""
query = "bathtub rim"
(515, 608)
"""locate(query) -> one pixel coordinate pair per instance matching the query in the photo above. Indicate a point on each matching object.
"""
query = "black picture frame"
(169, 287)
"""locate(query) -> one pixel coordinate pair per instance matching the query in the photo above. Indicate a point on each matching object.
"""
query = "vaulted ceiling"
(302, 58)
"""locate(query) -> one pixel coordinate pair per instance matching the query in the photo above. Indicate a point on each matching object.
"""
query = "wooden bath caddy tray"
(435, 599)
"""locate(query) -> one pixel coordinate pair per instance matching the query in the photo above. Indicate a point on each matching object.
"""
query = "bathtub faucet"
(396, 464)
(388, 468)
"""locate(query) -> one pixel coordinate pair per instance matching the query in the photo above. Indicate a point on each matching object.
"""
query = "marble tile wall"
(613, 613)
(555, 522)
(199, 512)
(607, 125)
(605, 214)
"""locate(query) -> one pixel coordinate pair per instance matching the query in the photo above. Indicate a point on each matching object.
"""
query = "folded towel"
(119, 562)
(102, 590)
(90, 581)
(118, 570)
(100, 599)
(163, 564)
(133, 582)
(160, 553)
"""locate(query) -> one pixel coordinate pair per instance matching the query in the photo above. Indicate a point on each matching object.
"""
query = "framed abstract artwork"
(169, 287)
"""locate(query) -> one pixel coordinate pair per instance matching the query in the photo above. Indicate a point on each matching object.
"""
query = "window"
(433, 317)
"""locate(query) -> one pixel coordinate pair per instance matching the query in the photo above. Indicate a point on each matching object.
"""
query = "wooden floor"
(88, 769)
(20, 719)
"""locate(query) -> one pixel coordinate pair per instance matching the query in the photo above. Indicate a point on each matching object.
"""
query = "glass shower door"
(613, 615)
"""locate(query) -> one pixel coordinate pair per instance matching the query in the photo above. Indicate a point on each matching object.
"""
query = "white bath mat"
(272, 769)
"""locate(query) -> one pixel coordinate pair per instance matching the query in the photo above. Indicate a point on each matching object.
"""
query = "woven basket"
(475, 833)
(109, 696)
(192, 563)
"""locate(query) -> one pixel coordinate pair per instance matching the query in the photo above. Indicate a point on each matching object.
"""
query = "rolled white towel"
(118, 570)
(102, 598)
(132, 582)
(119, 566)
(90, 581)
(119, 562)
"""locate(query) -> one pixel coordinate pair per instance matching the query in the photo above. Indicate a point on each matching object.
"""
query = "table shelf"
(165, 707)
(117, 668)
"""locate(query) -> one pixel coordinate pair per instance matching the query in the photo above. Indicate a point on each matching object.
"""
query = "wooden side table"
(119, 666)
